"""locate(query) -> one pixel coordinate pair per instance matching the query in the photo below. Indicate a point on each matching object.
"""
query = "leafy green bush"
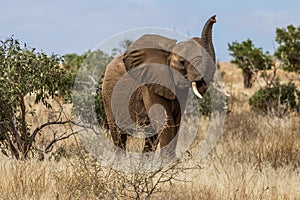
(87, 70)
(205, 105)
(23, 71)
(212, 101)
(277, 100)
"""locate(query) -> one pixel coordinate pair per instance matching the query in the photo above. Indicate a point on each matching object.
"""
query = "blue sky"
(74, 26)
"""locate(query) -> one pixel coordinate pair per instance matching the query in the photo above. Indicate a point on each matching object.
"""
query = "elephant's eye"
(182, 61)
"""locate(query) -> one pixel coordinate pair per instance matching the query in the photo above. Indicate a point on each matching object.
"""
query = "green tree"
(88, 68)
(89, 61)
(278, 100)
(289, 47)
(23, 71)
(73, 61)
(250, 59)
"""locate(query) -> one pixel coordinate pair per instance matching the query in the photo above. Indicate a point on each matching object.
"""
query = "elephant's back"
(113, 72)
(115, 69)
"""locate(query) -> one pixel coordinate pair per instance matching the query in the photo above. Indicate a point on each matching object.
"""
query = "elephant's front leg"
(159, 111)
(166, 131)
(167, 134)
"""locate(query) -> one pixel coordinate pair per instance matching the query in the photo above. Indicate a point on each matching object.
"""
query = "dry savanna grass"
(257, 157)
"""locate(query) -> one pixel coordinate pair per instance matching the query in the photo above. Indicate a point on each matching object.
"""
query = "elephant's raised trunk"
(206, 37)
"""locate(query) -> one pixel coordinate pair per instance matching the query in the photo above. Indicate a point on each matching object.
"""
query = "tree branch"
(59, 139)
(12, 148)
(12, 124)
(38, 129)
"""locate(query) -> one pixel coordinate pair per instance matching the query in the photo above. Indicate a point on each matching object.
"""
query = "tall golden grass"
(257, 157)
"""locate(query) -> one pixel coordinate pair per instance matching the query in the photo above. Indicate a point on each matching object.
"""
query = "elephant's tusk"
(220, 90)
(195, 90)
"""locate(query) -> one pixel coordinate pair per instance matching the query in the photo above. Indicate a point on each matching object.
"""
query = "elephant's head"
(193, 59)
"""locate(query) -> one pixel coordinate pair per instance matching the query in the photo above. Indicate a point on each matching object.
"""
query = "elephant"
(152, 104)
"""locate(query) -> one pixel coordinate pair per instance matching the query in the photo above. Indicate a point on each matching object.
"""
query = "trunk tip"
(213, 18)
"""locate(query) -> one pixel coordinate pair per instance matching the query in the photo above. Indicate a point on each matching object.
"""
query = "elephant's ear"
(152, 49)
(148, 49)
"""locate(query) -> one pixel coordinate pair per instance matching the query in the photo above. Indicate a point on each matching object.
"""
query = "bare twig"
(62, 137)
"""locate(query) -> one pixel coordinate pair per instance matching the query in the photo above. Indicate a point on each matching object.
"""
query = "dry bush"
(91, 180)
(260, 140)
(80, 177)
(25, 179)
